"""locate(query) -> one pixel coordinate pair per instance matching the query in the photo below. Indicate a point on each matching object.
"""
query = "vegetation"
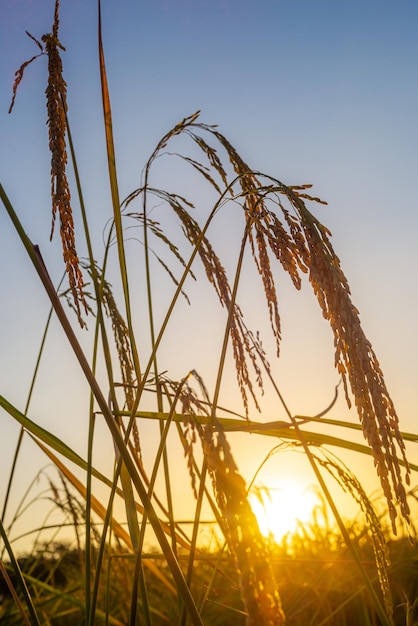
(111, 576)
(318, 579)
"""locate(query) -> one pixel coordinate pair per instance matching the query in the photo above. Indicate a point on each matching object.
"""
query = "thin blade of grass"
(72, 600)
(20, 438)
(13, 592)
(41, 433)
(113, 180)
(278, 429)
(21, 581)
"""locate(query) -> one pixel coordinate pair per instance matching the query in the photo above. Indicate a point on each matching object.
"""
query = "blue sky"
(309, 92)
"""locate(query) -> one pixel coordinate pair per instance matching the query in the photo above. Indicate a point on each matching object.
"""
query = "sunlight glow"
(280, 510)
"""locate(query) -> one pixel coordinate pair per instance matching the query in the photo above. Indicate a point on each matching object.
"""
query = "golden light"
(280, 510)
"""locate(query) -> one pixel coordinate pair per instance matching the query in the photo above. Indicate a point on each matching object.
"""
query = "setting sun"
(279, 510)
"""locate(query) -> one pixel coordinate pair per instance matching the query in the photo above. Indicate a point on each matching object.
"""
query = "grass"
(110, 576)
(318, 580)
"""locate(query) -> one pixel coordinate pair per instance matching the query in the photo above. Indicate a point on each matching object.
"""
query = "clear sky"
(318, 92)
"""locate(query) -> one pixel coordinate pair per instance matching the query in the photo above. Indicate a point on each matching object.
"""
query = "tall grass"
(277, 228)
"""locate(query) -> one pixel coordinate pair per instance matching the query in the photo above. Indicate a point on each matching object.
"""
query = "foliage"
(318, 583)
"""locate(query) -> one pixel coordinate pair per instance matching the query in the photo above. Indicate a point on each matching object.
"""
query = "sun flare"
(280, 510)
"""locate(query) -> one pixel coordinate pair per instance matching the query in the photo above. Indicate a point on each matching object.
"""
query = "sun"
(281, 509)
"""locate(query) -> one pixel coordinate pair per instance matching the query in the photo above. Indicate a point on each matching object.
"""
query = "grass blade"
(26, 595)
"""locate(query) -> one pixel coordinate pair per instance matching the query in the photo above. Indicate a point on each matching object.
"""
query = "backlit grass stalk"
(104, 298)
(194, 538)
(349, 483)
(157, 459)
(259, 588)
(124, 337)
(100, 290)
(111, 160)
(99, 324)
(164, 430)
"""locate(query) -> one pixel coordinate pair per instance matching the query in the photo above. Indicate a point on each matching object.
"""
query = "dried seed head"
(123, 348)
(356, 361)
(258, 585)
(349, 483)
(56, 93)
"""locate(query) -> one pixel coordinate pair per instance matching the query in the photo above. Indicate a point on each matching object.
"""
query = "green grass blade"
(20, 438)
(9, 583)
(27, 597)
(70, 599)
(113, 180)
(41, 433)
(278, 429)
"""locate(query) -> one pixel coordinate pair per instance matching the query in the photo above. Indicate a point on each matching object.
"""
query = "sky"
(308, 92)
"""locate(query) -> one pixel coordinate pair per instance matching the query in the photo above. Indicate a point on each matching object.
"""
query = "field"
(317, 579)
